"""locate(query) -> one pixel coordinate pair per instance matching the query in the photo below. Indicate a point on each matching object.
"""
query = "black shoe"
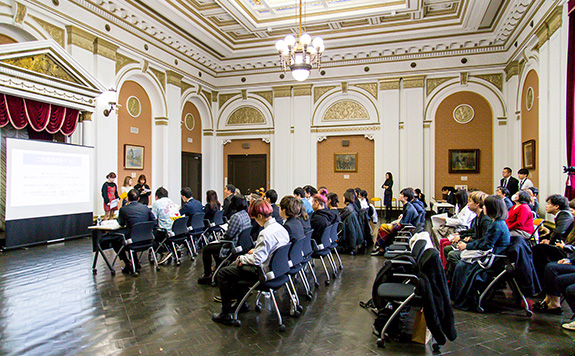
(218, 299)
(378, 253)
(223, 318)
(127, 269)
(244, 308)
(205, 279)
(542, 307)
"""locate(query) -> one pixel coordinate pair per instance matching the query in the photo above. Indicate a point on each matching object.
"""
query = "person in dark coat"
(321, 218)
(290, 208)
(272, 197)
(212, 205)
(387, 193)
(191, 206)
(229, 192)
(509, 182)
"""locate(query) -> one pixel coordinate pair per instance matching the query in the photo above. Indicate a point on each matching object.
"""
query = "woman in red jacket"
(520, 220)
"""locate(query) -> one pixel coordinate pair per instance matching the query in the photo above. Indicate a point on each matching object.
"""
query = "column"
(173, 147)
(411, 114)
(282, 159)
(302, 144)
(387, 140)
(160, 152)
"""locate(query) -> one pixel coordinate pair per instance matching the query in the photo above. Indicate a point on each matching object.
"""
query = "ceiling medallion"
(189, 122)
(134, 107)
(529, 99)
(463, 114)
(300, 55)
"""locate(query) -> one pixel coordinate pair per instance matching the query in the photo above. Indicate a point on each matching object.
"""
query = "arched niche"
(252, 113)
(337, 108)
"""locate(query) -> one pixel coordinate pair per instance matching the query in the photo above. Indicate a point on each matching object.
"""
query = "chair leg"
(294, 290)
(339, 259)
(304, 281)
(155, 259)
(219, 267)
(515, 288)
(132, 261)
(282, 326)
(332, 263)
(236, 312)
(190, 249)
(484, 294)
(176, 254)
(315, 282)
(395, 313)
(327, 281)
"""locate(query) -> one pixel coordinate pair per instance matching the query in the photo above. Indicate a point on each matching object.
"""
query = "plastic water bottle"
(267, 301)
(99, 220)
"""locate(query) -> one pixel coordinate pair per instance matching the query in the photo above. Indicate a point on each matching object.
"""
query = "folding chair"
(377, 203)
(241, 247)
(178, 236)
(215, 226)
(534, 238)
(296, 257)
(270, 281)
(307, 261)
(334, 236)
(197, 228)
(142, 239)
(323, 250)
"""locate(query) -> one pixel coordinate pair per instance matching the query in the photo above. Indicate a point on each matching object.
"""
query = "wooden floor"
(52, 304)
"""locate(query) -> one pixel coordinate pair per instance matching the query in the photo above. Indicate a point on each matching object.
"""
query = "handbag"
(483, 258)
(421, 333)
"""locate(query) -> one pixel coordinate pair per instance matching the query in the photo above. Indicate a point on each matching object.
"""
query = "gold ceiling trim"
(267, 95)
(246, 115)
(161, 76)
(369, 87)
(85, 116)
(185, 86)
(174, 78)
(58, 34)
(43, 64)
(495, 79)
(318, 92)
(105, 49)
(245, 133)
(433, 83)
(161, 121)
(224, 98)
(207, 95)
(551, 24)
(389, 84)
(80, 38)
(345, 129)
(283, 91)
(302, 90)
(414, 82)
(214, 97)
(20, 13)
(511, 70)
(122, 61)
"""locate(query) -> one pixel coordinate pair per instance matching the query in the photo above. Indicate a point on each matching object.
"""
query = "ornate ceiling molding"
(389, 84)
(495, 79)
(511, 70)
(224, 98)
(433, 83)
(282, 91)
(267, 95)
(302, 90)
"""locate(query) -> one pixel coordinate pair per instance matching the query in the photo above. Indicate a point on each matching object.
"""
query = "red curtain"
(569, 186)
(40, 116)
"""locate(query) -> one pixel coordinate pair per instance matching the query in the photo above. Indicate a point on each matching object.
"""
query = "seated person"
(322, 217)
(449, 193)
(459, 222)
(332, 204)
(212, 205)
(363, 202)
(272, 197)
(547, 251)
(504, 194)
(495, 238)
(558, 278)
(534, 193)
(420, 196)
(520, 220)
(238, 222)
(419, 207)
(300, 194)
(130, 214)
(290, 209)
(246, 267)
(229, 192)
(387, 232)
(165, 211)
(478, 226)
(191, 206)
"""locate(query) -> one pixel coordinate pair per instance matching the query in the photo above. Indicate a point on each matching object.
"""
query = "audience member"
(322, 217)
(363, 202)
(229, 192)
(299, 193)
(459, 222)
(143, 190)
(310, 191)
(558, 278)
(421, 197)
(212, 205)
(217, 250)
(245, 268)
(387, 193)
(504, 194)
(534, 194)
(110, 196)
(164, 209)
(290, 209)
(191, 206)
(509, 182)
(559, 206)
(272, 197)
(352, 234)
(524, 182)
(387, 232)
(520, 220)
(126, 187)
(449, 194)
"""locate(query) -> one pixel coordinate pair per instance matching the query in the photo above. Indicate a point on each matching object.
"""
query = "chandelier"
(300, 54)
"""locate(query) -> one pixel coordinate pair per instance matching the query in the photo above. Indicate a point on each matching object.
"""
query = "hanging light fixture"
(300, 54)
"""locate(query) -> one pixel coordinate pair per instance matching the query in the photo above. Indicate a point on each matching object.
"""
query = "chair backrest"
(180, 226)
(218, 218)
(296, 253)
(142, 231)
(245, 242)
(534, 236)
(279, 263)
(333, 231)
(307, 247)
(418, 248)
(326, 237)
(197, 221)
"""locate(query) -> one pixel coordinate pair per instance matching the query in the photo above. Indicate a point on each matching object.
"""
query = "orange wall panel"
(195, 134)
(530, 122)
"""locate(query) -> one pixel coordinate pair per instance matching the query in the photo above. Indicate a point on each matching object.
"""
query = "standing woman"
(126, 187)
(110, 195)
(212, 205)
(387, 193)
(143, 189)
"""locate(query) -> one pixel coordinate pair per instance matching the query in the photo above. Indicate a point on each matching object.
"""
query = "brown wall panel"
(257, 147)
(530, 121)
(6, 40)
(334, 181)
(476, 134)
(144, 136)
(195, 134)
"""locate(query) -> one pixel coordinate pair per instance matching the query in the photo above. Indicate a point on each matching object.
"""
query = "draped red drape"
(40, 116)
(569, 187)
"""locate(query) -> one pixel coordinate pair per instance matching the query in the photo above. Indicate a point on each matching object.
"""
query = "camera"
(569, 170)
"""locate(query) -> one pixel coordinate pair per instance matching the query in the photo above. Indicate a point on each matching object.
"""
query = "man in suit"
(229, 191)
(130, 214)
(558, 205)
(272, 198)
(191, 206)
(509, 182)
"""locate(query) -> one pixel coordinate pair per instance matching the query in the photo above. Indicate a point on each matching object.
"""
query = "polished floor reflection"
(51, 304)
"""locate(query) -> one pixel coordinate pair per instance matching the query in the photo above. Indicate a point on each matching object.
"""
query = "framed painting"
(529, 154)
(463, 161)
(133, 157)
(345, 162)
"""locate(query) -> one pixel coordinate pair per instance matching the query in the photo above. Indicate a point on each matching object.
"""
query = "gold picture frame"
(528, 154)
(345, 162)
(133, 157)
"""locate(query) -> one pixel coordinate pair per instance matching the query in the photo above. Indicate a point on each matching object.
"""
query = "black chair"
(197, 228)
(534, 237)
(296, 256)
(323, 250)
(180, 235)
(334, 236)
(240, 247)
(142, 239)
(215, 226)
(270, 281)
(307, 260)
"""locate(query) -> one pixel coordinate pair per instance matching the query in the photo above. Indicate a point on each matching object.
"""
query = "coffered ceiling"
(239, 35)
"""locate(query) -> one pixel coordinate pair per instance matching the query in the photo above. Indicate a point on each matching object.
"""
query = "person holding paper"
(110, 196)
(143, 190)
(126, 187)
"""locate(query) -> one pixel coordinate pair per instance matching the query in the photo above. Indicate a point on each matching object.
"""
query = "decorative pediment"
(346, 110)
(246, 115)
(44, 71)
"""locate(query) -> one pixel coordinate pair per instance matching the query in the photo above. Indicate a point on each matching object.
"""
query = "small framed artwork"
(133, 157)
(345, 162)
(463, 161)
(529, 154)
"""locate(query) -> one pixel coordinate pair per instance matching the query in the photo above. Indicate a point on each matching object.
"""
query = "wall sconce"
(108, 111)
(110, 96)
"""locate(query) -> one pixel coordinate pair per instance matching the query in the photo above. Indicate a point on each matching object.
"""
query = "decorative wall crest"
(346, 110)
(246, 115)
(134, 106)
(463, 113)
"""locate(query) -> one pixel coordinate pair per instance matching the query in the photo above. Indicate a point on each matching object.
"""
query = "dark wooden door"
(192, 173)
(247, 172)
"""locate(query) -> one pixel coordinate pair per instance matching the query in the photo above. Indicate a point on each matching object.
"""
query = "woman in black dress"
(143, 190)
(212, 205)
(387, 194)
